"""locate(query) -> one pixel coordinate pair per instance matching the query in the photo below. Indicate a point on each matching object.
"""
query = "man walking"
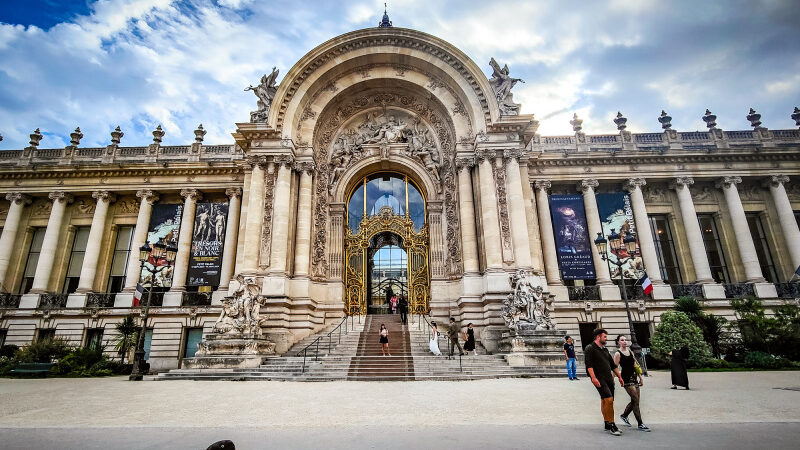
(452, 332)
(569, 354)
(601, 369)
(402, 307)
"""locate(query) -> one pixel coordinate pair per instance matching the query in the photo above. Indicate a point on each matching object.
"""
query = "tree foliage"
(775, 335)
(714, 328)
(127, 335)
(675, 331)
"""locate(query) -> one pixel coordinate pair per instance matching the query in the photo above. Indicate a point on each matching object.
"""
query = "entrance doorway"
(388, 272)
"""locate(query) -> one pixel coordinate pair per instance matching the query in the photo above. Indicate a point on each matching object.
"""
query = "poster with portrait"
(208, 237)
(573, 245)
(616, 214)
(165, 225)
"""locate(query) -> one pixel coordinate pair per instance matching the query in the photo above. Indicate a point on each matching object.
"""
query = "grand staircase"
(352, 352)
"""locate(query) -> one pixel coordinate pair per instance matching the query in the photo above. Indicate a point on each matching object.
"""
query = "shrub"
(714, 328)
(127, 335)
(43, 351)
(8, 351)
(675, 331)
(778, 335)
(761, 360)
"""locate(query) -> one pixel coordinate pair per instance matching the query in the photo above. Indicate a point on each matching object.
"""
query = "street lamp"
(617, 244)
(157, 250)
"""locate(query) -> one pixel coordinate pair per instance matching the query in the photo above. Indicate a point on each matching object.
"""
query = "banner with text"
(573, 245)
(165, 225)
(616, 214)
(208, 238)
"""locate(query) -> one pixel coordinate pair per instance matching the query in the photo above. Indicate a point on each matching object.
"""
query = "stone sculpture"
(265, 92)
(240, 313)
(502, 83)
(525, 307)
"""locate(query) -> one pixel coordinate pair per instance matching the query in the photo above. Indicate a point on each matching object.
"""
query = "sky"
(98, 64)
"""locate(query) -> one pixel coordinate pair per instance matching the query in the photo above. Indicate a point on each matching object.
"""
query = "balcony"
(739, 290)
(583, 292)
(687, 290)
(788, 290)
(53, 301)
(196, 299)
(97, 300)
(8, 301)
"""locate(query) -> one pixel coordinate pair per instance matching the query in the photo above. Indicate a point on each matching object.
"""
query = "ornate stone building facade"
(378, 141)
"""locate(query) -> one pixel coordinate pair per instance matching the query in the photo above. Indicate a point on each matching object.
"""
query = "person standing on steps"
(632, 374)
(384, 341)
(469, 340)
(452, 333)
(434, 344)
(569, 354)
(393, 305)
(601, 370)
(402, 307)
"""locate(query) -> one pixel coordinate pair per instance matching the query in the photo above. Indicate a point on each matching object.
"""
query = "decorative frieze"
(499, 172)
(266, 228)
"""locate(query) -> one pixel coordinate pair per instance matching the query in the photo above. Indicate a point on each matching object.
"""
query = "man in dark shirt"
(569, 354)
(402, 308)
(601, 369)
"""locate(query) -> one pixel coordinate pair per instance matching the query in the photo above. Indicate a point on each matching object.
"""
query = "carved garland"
(499, 173)
(266, 229)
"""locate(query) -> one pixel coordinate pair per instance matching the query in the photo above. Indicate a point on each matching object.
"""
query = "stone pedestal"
(218, 351)
(530, 347)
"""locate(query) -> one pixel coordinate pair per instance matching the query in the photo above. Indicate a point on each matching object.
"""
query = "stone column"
(697, 249)
(303, 240)
(92, 255)
(281, 214)
(516, 202)
(744, 240)
(9, 236)
(489, 217)
(645, 236)
(51, 242)
(148, 198)
(791, 233)
(593, 221)
(255, 217)
(466, 205)
(190, 198)
(231, 231)
(548, 235)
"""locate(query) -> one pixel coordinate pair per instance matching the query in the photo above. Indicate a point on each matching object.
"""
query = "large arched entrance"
(386, 245)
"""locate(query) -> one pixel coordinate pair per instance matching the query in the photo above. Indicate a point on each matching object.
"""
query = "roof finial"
(385, 22)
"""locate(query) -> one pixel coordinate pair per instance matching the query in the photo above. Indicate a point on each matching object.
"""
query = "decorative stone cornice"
(104, 196)
(233, 192)
(681, 182)
(726, 182)
(61, 196)
(634, 183)
(191, 194)
(147, 195)
(19, 198)
(554, 159)
(545, 185)
(588, 183)
(464, 162)
(775, 180)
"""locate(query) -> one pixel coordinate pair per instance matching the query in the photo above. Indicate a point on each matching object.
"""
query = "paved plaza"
(723, 410)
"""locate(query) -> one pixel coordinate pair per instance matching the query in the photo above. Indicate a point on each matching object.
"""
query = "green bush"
(714, 328)
(675, 331)
(8, 351)
(761, 360)
(773, 335)
(43, 351)
(716, 363)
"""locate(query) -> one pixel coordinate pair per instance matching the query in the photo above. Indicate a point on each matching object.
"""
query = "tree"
(713, 327)
(127, 335)
(776, 335)
(677, 330)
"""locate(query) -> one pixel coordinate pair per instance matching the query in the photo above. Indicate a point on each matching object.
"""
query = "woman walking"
(434, 344)
(385, 340)
(632, 377)
(469, 344)
(678, 367)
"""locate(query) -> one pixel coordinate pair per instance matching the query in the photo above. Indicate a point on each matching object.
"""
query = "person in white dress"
(434, 344)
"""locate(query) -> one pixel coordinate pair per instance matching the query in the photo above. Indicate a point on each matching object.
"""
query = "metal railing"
(196, 299)
(53, 301)
(9, 300)
(329, 336)
(739, 290)
(100, 300)
(687, 290)
(788, 290)
(440, 335)
(583, 292)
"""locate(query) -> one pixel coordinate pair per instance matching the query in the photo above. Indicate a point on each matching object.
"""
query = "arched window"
(385, 189)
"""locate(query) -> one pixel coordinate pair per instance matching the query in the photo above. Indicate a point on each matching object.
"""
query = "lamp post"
(617, 243)
(158, 251)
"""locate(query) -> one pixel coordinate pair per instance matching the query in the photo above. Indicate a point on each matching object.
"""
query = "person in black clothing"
(626, 360)
(678, 367)
(601, 370)
(469, 342)
(402, 308)
(569, 354)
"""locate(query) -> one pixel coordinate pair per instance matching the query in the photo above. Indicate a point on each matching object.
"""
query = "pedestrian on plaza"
(393, 305)
(434, 344)
(469, 340)
(678, 367)
(601, 370)
(632, 375)
(452, 333)
(402, 306)
(569, 355)
(384, 340)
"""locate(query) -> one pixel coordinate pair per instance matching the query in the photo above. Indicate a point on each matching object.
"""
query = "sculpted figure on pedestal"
(525, 307)
(502, 83)
(240, 313)
(265, 92)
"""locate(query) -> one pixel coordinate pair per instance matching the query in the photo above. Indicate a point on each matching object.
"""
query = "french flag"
(137, 296)
(647, 286)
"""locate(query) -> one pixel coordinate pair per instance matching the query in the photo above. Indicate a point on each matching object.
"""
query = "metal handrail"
(450, 351)
(315, 342)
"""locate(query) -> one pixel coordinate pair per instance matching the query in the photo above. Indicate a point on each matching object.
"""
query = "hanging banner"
(616, 213)
(573, 245)
(165, 225)
(208, 236)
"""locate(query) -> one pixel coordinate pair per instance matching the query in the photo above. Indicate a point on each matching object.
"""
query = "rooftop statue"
(265, 92)
(502, 84)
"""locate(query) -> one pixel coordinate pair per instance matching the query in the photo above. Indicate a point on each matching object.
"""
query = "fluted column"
(92, 255)
(744, 240)
(231, 231)
(303, 239)
(51, 242)
(548, 235)
(489, 217)
(697, 249)
(646, 243)
(791, 233)
(466, 205)
(593, 222)
(255, 217)
(190, 198)
(281, 214)
(9, 236)
(519, 222)
(148, 198)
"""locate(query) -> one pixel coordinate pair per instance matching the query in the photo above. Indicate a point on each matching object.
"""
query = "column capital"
(544, 185)
(726, 182)
(147, 195)
(681, 182)
(513, 153)
(254, 161)
(192, 194)
(485, 153)
(464, 162)
(284, 160)
(103, 195)
(634, 183)
(587, 183)
(61, 196)
(233, 192)
(19, 198)
(772, 180)
(304, 166)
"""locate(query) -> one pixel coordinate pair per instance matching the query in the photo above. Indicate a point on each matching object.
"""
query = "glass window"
(355, 208)
(148, 340)
(716, 258)
(76, 260)
(3, 334)
(119, 262)
(385, 190)
(665, 249)
(32, 260)
(46, 334)
(762, 249)
(94, 338)
(193, 337)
